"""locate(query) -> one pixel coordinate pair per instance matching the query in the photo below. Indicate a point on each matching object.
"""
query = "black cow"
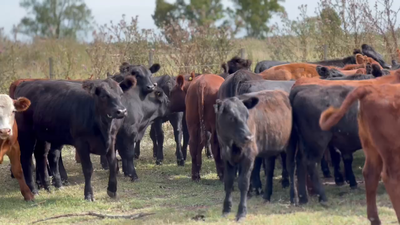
(142, 111)
(253, 125)
(242, 82)
(166, 82)
(266, 64)
(334, 74)
(83, 115)
(308, 101)
(370, 52)
(233, 65)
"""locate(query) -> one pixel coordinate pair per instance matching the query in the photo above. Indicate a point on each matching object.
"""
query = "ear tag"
(190, 78)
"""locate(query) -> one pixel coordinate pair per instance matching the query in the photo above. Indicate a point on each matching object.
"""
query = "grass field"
(168, 192)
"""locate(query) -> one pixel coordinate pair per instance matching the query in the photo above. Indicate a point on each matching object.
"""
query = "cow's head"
(325, 73)
(8, 107)
(231, 118)
(178, 93)
(166, 83)
(107, 94)
(160, 101)
(143, 76)
(370, 52)
(237, 63)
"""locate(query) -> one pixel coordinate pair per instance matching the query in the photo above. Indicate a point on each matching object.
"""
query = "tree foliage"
(200, 12)
(55, 18)
(255, 15)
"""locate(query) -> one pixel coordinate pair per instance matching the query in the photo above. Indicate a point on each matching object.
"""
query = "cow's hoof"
(180, 162)
(134, 178)
(159, 162)
(29, 197)
(339, 183)
(65, 183)
(35, 192)
(112, 194)
(136, 156)
(285, 183)
(240, 217)
(354, 187)
(89, 198)
(327, 175)
(303, 201)
(209, 156)
(196, 178)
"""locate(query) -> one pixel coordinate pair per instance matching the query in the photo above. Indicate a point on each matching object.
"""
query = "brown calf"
(9, 138)
(201, 95)
(378, 131)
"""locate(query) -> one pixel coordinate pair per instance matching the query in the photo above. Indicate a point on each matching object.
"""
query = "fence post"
(51, 68)
(151, 57)
(242, 53)
(325, 52)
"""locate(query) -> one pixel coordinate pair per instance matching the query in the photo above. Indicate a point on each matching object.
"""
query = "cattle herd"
(299, 113)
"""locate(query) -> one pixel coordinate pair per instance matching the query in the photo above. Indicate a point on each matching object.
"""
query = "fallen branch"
(103, 216)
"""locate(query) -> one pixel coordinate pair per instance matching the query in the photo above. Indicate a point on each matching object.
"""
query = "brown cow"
(393, 77)
(9, 138)
(200, 95)
(257, 124)
(361, 62)
(378, 130)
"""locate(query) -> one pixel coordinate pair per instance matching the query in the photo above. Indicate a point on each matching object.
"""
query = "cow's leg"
(348, 169)
(312, 171)
(137, 150)
(87, 168)
(290, 159)
(126, 148)
(63, 172)
(255, 182)
(176, 122)
(216, 151)
(270, 166)
(335, 156)
(160, 142)
(325, 168)
(301, 174)
(195, 147)
(228, 182)
(153, 137)
(390, 179)
(54, 159)
(112, 180)
(285, 174)
(41, 152)
(104, 162)
(244, 182)
(371, 172)
(186, 138)
(208, 145)
(16, 168)
(77, 159)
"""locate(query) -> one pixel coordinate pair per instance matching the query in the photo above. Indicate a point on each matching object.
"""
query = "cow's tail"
(200, 96)
(332, 116)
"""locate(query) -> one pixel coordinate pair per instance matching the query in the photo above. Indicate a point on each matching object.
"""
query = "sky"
(104, 11)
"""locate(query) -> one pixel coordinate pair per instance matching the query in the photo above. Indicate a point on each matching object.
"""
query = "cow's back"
(58, 111)
(271, 120)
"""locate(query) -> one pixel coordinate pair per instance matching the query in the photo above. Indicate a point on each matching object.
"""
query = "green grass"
(168, 192)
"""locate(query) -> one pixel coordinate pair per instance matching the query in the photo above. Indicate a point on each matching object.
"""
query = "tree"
(255, 15)
(55, 18)
(200, 12)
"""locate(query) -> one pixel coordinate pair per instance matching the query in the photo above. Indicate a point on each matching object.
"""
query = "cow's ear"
(250, 102)
(22, 104)
(128, 83)
(89, 87)
(224, 67)
(180, 80)
(359, 59)
(248, 63)
(217, 106)
(154, 68)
